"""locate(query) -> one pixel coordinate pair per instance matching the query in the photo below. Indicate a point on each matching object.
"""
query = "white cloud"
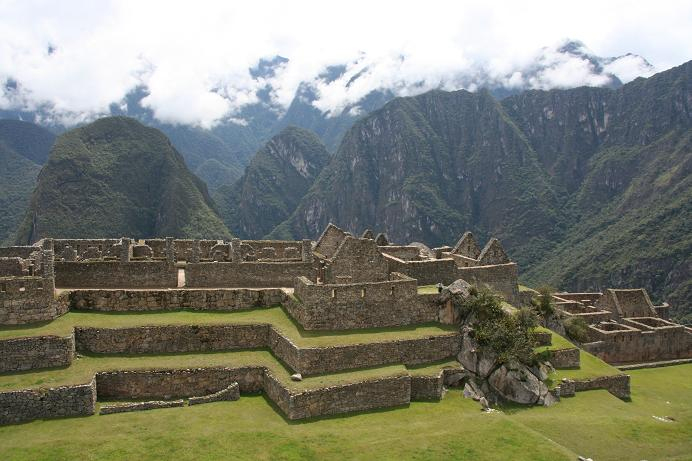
(194, 56)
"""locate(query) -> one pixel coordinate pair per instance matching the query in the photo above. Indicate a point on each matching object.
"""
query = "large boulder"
(473, 358)
(514, 382)
(457, 291)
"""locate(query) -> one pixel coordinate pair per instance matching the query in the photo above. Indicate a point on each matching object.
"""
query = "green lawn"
(590, 365)
(593, 424)
(84, 368)
(427, 289)
(275, 316)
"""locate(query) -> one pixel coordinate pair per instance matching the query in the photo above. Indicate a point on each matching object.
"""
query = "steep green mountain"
(587, 188)
(427, 167)
(23, 146)
(116, 177)
(276, 179)
(17, 180)
(27, 139)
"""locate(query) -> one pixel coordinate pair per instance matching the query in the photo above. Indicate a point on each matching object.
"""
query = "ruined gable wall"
(357, 260)
(329, 241)
(502, 278)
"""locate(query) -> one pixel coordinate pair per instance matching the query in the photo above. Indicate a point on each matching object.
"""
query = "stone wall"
(245, 274)
(26, 405)
(155, 300)
(618, 385)
(356, 261)
(410, 352)
(565, 358)
(365, 395)
(633, 346)
(29, 299)
(306, 360)
(501, 278)
(115, 274)
(170, 339)
(230, 393)
(140, 406)
(170, 384)
(35, 352)
(359, 305)
(427, 387)
(426, 272)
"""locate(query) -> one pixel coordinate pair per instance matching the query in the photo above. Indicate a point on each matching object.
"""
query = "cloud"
(75, 58)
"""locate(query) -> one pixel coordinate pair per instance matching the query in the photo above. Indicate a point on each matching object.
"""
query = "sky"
(76, 58)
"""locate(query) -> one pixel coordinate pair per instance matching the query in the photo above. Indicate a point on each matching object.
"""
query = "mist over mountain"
(327, 103)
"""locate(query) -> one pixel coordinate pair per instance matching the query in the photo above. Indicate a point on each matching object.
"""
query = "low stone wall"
(565, 358)
(410, 352)
(427, 387)
(139, 406)
(543, 338)
(26, 405)
(29, 299)
(245, 274)
(365, 395)
(618, 385)
(231, 393)
(359, 305)
(36, 352)
(115, 274)
(175, 299)
(170, 339)
(169, 384)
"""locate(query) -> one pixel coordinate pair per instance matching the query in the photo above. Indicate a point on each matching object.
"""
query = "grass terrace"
(275, 316)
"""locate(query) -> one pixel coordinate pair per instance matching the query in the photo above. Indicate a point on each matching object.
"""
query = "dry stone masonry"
(342, 284)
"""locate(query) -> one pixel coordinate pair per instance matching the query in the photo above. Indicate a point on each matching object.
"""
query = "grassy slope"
(593, 424)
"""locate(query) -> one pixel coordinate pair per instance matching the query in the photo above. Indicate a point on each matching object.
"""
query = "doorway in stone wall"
(181, 277)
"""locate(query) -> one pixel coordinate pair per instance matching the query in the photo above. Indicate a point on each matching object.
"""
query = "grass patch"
(427, 289)
(593, 423)
(275, 316)
(83, 369)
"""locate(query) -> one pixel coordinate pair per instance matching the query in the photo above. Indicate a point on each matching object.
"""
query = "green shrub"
(509, 336)
(543, 302)
(577, 329)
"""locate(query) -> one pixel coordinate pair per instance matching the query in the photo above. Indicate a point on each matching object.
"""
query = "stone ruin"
(338, 283)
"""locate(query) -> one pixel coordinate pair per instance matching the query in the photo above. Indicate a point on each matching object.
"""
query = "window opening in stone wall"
(21, 286)
(391, 291)
(3, 288)
(362, 292)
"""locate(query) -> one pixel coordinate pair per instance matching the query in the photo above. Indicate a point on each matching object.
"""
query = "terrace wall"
(157, 300)
(35, 352)
(170, 339)
(26, 405)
